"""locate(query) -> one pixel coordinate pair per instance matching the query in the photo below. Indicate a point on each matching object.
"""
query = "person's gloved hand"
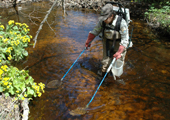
(89, 39)
(117, 55)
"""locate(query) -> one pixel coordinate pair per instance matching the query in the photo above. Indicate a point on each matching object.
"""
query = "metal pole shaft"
(73, 64)
(101, 81)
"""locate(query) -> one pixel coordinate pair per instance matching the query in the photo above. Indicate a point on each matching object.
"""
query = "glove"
(117, 55)
(89, 39)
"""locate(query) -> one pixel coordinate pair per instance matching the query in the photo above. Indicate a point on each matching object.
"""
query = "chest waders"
(110, 49)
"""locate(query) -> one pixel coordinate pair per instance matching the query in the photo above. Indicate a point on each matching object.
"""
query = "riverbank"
(13, 109)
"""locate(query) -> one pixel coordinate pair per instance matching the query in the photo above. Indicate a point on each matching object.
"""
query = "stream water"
(141, 93)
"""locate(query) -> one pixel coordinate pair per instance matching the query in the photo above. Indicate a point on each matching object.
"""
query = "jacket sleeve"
(124, 33)
(97, 29)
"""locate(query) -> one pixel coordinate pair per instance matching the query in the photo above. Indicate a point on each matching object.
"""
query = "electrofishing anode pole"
(57, 83)
(75, 62)
(101, 81)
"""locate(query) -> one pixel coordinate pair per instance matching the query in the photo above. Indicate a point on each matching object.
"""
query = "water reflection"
(143, 93)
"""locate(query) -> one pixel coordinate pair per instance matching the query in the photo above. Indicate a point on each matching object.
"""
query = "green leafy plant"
(159, 16)
(18, 83)
(14, 39)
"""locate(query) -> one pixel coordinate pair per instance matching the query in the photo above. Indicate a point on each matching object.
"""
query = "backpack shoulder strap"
(117, 27)
(103, 26)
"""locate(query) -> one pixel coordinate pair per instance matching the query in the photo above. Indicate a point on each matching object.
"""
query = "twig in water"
(51, 28)
(30, 17)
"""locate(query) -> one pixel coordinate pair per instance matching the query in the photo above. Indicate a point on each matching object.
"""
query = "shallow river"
(141, 93)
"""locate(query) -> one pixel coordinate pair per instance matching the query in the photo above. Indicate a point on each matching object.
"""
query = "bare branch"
(41, 24)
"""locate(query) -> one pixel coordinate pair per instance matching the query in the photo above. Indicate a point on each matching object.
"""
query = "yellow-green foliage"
(14, 39)
(18, 83)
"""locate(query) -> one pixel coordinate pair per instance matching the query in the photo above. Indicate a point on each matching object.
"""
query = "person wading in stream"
(114, 34)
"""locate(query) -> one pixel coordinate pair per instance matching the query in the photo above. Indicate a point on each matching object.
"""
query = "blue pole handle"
(75, 61)
(110, 66)
(73, 64)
